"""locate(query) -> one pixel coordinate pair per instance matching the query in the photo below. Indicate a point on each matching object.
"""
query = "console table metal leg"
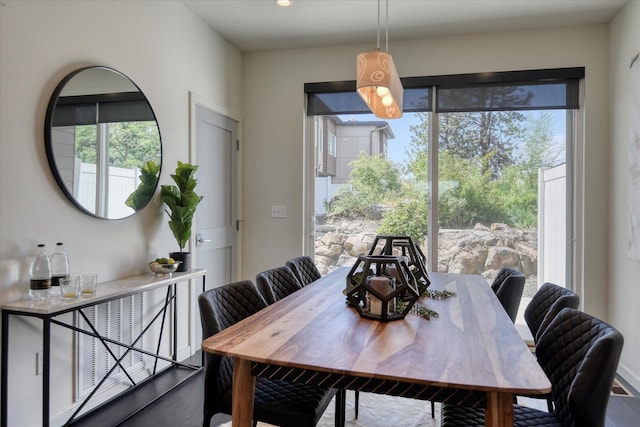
(175, 322)
(167, 300)
(46, 368)
(204, 288)
(5, 368)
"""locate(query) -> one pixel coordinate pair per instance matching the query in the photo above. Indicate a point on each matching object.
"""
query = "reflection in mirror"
(100, 132)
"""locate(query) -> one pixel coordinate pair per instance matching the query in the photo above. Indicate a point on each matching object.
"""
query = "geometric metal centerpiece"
(404, 246)
(381, 287)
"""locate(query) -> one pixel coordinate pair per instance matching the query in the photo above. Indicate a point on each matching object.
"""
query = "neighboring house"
(337, 144)
(340, 142)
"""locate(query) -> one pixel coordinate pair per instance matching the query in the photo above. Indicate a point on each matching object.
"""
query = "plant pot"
(185, 257)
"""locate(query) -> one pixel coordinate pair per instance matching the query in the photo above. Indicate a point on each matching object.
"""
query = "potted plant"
(181, 200)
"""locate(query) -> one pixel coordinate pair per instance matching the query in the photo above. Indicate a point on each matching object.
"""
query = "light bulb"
(387, 100)
(382, 91)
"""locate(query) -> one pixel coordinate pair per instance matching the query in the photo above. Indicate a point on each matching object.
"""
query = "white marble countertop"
(105, 291)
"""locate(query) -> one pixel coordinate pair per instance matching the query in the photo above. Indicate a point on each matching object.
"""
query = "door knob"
(200, 240)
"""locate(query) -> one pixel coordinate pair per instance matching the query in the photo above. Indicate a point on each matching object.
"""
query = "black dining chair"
(541, 310)
(277, 402)
(580, 354)
(508, 287)
(545, 305)
(304, 269)
(277, 283)
(503, 273)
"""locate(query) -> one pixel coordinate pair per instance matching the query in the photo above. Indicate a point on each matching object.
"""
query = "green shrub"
(408, 218)
(372, 180)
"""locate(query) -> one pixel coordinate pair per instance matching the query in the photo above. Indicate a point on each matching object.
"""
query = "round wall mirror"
(103, 143)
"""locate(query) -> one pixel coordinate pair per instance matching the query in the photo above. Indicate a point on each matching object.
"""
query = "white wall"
(168, 52)
(623, 272)
(274, 128)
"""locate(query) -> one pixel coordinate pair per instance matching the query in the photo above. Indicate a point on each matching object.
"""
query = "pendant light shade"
(379, 85)
(377, 80)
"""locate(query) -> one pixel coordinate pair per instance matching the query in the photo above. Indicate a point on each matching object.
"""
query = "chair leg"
(357, 402)
(341, 401)
(433, 409)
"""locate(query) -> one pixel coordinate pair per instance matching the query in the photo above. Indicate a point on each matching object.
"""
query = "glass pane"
(495, 170)
(365, 187)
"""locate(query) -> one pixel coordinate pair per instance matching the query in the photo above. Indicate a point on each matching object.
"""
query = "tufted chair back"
(580, 354)
(220, 308)
(304, 268)
(509, 291)
(503, 273)
(545, 305)
(277, 283)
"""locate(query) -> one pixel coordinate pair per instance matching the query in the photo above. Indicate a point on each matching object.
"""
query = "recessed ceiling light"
(284, 3)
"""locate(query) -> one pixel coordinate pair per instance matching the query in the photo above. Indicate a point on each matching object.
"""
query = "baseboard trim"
(184, 353)
(631, 380)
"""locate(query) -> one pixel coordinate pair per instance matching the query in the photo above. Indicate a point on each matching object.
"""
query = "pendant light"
(377, 79)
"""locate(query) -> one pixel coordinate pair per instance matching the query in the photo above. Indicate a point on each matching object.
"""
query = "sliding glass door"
(495, 191)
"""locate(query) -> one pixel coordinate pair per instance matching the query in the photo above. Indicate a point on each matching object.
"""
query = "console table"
(49, 310)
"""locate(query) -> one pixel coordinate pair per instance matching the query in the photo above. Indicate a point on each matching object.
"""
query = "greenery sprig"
(421, 310)
(435, 294)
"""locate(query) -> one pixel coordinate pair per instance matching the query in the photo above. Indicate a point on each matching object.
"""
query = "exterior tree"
(131, 144)
(488, 135)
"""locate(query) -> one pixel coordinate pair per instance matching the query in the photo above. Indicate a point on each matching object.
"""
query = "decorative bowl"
(160, 269)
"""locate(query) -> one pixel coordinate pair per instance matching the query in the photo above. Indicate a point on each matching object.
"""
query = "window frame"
(574, 144)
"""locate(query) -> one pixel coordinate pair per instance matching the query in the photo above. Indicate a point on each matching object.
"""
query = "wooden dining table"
(470, 353)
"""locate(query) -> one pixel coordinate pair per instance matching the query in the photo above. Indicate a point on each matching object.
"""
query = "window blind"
(107, 108)
(341, 98)
(510, 90)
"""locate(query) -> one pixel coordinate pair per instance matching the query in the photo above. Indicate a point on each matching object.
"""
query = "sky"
(396, 148)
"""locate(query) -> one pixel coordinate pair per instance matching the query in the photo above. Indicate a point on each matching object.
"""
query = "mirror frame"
(48, 139)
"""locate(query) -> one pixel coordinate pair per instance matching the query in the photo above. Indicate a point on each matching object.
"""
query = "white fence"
(324, 192)
(122, 182)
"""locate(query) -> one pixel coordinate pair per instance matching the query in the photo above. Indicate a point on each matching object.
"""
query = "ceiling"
(253, 25)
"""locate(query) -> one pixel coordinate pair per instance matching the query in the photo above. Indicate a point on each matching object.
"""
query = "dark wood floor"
(182, 407)
(174, 398)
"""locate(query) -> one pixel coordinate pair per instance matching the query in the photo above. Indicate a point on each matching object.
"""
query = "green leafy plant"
(408, 218)
(182, 200)
(148, 181)
(371, 180)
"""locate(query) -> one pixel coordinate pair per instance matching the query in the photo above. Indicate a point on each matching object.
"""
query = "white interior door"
(215, 234)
